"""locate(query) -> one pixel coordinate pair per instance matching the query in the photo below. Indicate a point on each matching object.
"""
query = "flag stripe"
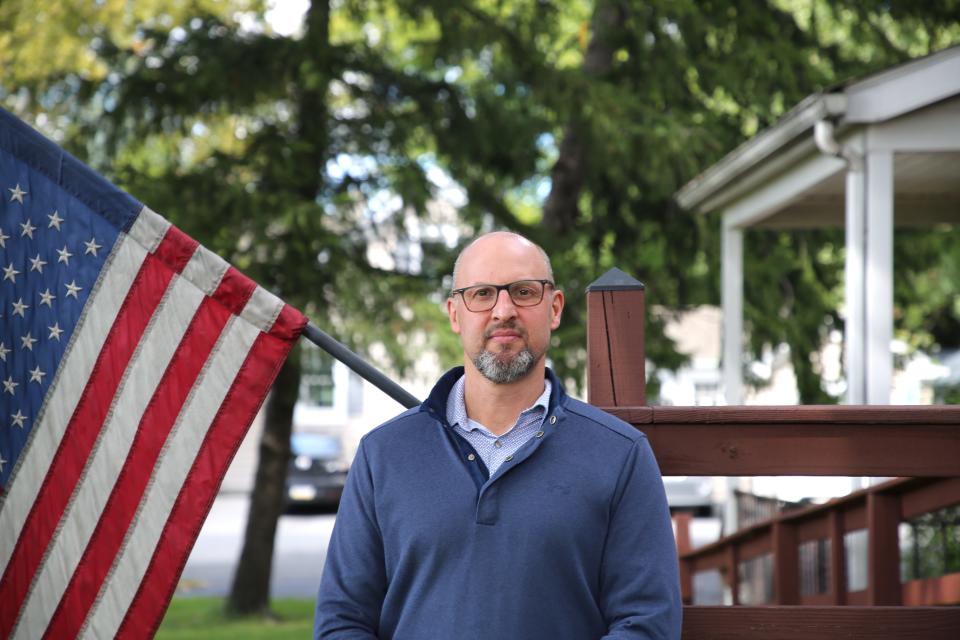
(158, 420)
(198, 491)
(175, 462)
(152, 355)
(82, 431)
(65, 392)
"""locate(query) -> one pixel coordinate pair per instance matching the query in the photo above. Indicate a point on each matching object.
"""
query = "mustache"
(510, 325)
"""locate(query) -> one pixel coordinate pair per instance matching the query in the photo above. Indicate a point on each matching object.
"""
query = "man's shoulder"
(399, 426)
(592, 416)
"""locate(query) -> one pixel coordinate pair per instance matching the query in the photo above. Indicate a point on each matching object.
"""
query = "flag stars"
(3, 352)
(19, 308)
(9, 273)
(64, 256)
(18, 418)
(3, 239)
(36, 264)
(92, 247)
(9, 385)
(3, 461)
(73, 289)
(36, 375)
(26, 342)
(47, 298)
(27, 229)
(17, 193)
(55, 220)
(55, 331)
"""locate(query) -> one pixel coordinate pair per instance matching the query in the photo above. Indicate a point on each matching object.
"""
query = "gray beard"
(498, 372)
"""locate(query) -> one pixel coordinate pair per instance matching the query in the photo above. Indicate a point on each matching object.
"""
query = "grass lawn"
(203, 619)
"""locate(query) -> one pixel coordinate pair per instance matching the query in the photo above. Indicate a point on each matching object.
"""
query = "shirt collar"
(457, 408)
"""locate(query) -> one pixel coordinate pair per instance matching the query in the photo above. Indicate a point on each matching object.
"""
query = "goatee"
(500, 372)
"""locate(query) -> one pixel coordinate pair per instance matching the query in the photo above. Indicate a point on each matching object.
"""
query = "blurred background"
(341, 152)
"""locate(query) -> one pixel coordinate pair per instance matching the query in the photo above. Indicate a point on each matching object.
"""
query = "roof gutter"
(823, 136)
(796, 124)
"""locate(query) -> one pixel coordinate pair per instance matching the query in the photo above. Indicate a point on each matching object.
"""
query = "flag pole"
(363, 368)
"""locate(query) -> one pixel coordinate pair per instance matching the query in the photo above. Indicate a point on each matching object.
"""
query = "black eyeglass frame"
(504, 287)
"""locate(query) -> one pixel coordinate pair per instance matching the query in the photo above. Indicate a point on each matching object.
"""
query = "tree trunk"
(561, 209)
(250, 592)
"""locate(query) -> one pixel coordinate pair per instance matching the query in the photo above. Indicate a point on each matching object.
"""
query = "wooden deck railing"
(918, 442)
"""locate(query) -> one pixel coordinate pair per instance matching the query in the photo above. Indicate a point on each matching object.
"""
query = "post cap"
(615, 280)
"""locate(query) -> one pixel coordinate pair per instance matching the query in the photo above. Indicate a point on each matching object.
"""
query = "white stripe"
(149, 228)
(205, 269)
(175, 463)
(143, 374)
(62, 397)
(262, 309)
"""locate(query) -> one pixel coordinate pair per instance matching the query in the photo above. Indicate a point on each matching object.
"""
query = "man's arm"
(354, 578)
(640, 589)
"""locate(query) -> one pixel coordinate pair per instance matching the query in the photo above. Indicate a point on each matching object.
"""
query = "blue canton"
(492, 449)
(52, 248)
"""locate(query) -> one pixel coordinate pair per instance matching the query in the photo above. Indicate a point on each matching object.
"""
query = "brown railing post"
(733, 572)
(616, 372)
(682, 523)
(838, 572)
(883, 549)
(786, 564)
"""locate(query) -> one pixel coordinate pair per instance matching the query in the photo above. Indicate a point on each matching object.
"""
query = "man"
(501, 508)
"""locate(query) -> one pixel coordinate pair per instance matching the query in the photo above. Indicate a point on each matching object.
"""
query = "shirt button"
(539, 434)
(471, 457)
(508, 459)
(553, 419)
(497, 444)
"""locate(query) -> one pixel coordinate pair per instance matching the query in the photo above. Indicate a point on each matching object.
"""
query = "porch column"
(732, 302)
(855, 306)
(879, 277)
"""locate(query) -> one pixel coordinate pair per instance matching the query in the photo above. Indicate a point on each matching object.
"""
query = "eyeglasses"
(483, 297)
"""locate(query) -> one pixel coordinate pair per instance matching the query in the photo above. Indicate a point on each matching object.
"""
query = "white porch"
(876, 154)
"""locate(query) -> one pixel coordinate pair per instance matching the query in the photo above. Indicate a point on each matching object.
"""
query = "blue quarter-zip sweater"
(569, 540)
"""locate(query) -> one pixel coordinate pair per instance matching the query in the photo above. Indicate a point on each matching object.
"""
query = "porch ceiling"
(926, 193)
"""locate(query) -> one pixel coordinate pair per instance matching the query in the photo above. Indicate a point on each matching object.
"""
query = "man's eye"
(483, 292)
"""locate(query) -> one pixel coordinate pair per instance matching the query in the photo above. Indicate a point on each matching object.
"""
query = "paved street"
(301, 546)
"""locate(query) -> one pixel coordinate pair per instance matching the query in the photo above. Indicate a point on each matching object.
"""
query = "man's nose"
(504, 309)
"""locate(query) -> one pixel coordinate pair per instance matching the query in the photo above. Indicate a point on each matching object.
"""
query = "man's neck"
(497, 406)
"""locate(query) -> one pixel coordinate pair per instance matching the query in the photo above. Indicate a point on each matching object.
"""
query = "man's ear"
(556, 309)
(452, 314)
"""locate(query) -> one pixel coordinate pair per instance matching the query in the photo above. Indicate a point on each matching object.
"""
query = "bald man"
(501, 508)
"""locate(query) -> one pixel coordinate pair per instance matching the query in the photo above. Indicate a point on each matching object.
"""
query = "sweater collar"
(436, 402)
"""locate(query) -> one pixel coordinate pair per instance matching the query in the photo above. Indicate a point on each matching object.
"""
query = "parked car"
(690, 493)
(317, 471)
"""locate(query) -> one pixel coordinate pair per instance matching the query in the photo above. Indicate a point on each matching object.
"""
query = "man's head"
(505, 332)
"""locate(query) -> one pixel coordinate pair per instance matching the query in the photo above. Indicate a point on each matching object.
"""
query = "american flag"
(132, 362)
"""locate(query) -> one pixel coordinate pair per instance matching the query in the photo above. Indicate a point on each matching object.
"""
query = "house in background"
(868, 156)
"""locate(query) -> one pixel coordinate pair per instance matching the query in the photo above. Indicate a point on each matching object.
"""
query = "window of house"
(316, 378)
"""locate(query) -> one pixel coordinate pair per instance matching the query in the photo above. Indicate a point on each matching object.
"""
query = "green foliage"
(316, 162)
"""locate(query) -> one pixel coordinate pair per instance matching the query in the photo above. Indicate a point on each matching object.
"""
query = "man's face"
(505, 342)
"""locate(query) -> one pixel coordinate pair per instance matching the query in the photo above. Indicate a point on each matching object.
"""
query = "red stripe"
(234, 290)
(176, 249)
(289, 324)
(199, 490)
(79, 437)
(155, 426)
